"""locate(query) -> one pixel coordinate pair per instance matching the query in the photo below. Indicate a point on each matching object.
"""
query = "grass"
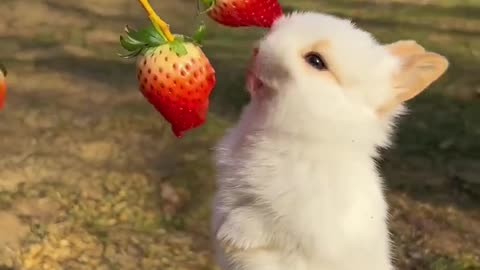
(78, 101)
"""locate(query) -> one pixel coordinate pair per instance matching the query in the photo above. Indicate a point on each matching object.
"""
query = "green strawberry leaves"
(137, 42)
(178, 48)
(148, 34)
(206, 4)
(130, 44)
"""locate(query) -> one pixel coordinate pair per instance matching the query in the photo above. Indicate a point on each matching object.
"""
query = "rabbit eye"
(315, 60)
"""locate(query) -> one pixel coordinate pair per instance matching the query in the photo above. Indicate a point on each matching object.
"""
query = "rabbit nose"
(253, 84)
(251, 63)
(255, 52)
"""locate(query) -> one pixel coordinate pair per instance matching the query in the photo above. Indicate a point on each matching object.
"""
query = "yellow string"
(158, 23)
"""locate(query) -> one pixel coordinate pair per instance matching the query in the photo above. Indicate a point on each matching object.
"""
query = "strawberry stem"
(161, 26)
(200, 34)
(208, 4)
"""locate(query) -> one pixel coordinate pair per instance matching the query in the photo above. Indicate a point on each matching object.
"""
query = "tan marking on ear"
(417, 72)
(404, 48)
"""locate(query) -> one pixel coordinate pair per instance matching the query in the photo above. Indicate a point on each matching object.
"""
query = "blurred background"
(91, 177)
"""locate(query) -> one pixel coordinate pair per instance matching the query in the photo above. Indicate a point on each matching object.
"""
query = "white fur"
(298, 187)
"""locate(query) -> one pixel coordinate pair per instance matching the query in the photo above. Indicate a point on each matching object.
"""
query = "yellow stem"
(158, 23)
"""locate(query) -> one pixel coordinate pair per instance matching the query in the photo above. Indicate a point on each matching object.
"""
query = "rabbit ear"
(404, 48)
(418, 70)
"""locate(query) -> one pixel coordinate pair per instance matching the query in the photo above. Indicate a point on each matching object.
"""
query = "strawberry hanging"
(174, 74)
(3, 85)
(236, 13)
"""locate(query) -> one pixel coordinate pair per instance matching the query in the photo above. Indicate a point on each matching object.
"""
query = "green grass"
(466, 263)
(443, 127)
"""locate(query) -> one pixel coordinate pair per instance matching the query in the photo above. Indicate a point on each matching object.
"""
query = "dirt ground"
(91, 178)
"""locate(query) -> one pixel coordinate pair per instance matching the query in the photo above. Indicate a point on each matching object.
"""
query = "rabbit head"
(316, 76)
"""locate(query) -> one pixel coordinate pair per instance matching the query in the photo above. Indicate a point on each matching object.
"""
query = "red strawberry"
(174, 74)
(3, 85)
(236, 13)
(178, 86)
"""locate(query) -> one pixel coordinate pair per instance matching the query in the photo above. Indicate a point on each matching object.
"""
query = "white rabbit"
(298, 186)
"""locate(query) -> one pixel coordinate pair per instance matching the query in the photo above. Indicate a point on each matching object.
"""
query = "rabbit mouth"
(254, 84)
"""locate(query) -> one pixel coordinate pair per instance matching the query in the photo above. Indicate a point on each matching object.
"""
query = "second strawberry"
(237, 13)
